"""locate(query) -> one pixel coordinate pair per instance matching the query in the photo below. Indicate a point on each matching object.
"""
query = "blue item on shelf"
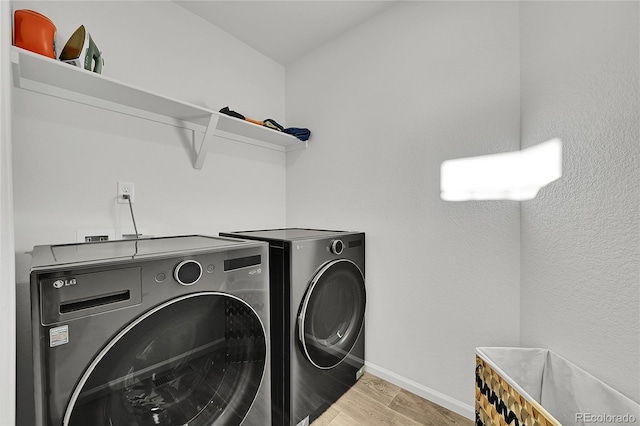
(300, 133)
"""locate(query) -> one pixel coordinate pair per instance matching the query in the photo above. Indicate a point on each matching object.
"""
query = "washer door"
(332, 313)
(194, 360)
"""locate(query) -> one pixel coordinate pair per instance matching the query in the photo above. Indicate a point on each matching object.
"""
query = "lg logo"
(255, 271)
(64, 282)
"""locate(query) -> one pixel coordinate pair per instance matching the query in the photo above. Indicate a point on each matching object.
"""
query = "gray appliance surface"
(300, 259)
(287, 234)
(136, 332)
(69, 254)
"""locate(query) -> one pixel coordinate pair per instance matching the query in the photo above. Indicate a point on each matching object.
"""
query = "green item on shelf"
(82, 51)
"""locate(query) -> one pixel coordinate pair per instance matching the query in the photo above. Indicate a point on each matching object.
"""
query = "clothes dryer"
(318, 300)
(160, 331)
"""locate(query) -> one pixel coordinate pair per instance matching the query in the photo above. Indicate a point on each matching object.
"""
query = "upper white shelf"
(44, 75)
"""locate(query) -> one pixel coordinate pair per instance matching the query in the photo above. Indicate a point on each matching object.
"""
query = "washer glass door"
(332, 313)
(194, 360)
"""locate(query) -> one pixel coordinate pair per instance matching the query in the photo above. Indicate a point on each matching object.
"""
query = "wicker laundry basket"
(497, 403)
(536, 387)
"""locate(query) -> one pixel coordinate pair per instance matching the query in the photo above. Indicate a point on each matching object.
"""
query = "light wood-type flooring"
(373, 401)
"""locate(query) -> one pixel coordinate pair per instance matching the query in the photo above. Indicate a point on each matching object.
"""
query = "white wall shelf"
(54, 78)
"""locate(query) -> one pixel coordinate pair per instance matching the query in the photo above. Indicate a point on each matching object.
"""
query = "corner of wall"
(7, 267)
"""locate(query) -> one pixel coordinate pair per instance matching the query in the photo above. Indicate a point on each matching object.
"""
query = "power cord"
(133, 218)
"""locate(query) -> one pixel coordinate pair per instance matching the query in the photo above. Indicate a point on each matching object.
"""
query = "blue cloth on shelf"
(299, 132)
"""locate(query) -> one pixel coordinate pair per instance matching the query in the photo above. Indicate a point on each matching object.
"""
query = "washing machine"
(159, 331)
(318, 300)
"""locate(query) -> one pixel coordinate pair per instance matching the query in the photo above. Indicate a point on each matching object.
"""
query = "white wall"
(7, 279)
(68, 157)
(387, 103)
(581, 236)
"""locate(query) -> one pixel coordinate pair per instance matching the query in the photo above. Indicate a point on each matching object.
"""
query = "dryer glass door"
(332, 313)
(194, 360)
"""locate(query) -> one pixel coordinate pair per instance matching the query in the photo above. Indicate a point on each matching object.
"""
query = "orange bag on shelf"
(34, 32)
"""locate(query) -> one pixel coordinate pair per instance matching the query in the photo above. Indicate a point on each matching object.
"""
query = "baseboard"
(432, 395)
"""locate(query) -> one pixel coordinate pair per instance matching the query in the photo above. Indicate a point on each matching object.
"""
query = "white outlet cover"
(126, 188)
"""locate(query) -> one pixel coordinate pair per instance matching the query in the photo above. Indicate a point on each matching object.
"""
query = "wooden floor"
(373, 401)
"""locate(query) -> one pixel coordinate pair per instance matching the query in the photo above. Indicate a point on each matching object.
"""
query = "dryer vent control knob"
(337, 246)
(188, 272)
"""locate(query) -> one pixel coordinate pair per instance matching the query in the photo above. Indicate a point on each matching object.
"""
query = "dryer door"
(332, 313)
(194, 360)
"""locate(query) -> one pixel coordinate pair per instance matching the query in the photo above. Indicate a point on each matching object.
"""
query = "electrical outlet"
(94, 238)
(125, 188)
(92, 235)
